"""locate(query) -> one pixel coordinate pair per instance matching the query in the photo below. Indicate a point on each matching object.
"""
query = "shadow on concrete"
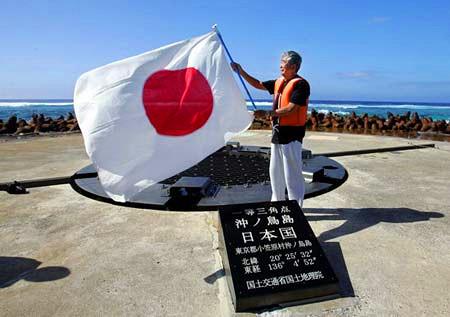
(357, 220)
(360, 219)
(336, 259)
(14, 269)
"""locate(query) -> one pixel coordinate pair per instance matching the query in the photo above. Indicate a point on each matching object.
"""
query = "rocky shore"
(407, 125)
(39, 123)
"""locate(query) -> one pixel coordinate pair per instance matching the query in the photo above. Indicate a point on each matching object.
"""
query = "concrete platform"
(385, 231)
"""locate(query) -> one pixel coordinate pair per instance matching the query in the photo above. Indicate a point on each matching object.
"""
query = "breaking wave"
(33, 104)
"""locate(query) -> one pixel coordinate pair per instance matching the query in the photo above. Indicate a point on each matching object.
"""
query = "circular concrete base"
(233, 175)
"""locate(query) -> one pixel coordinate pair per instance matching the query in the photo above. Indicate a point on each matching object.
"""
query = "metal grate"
(228, 168)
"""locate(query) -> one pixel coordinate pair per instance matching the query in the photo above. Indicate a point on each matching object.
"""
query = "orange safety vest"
(298, 116)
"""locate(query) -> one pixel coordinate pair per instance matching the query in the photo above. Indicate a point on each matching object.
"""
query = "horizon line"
(256, 100)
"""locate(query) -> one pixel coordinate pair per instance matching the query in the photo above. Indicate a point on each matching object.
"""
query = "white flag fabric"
(151, 116)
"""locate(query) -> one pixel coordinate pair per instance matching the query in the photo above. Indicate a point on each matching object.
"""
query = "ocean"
(437, 111)
(25, 108)
(57, 107)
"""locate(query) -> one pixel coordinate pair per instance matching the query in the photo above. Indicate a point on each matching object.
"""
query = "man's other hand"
(260, 114)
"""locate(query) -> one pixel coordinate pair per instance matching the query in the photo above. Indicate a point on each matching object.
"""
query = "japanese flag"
(151, 116)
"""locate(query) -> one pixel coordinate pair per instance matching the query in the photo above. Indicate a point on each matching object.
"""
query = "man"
(290, 103)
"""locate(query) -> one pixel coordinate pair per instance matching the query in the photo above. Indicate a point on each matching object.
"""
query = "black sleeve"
(301, 93)
(269, 85)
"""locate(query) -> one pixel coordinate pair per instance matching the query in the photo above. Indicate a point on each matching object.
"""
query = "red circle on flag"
(177, 102)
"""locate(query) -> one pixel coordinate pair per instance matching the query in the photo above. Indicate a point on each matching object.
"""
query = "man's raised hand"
(236, 67)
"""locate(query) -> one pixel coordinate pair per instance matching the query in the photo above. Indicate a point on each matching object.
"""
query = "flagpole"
(214, 27)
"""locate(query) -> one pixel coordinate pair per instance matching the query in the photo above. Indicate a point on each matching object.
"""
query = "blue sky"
(352, 50)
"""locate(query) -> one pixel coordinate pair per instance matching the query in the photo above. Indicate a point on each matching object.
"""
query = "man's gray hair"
(292, 58)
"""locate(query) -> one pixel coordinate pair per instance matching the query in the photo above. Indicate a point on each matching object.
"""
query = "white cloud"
(357, 75)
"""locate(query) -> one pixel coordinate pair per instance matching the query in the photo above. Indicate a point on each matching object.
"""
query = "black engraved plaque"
(272, 257)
